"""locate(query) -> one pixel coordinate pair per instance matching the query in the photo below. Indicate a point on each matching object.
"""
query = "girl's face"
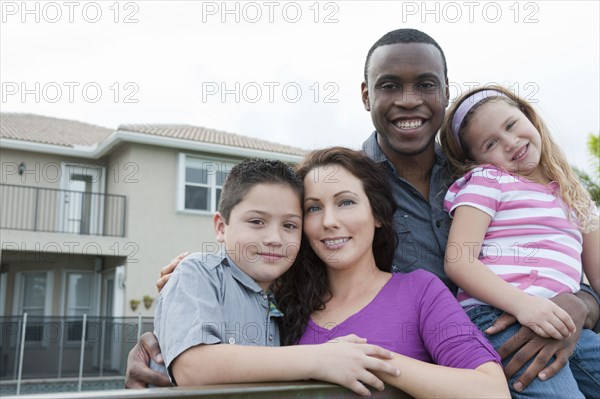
(338, 219)
(500, 134)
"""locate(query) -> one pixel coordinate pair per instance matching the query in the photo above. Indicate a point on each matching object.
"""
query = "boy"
(216, 319)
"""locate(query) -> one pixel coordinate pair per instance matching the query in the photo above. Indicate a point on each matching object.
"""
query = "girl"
(344, 285)
(522, 227)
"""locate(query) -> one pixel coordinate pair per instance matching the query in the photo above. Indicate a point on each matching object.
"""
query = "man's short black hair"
(405, 36)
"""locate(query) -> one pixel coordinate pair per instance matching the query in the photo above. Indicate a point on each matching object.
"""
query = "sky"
(285, 71)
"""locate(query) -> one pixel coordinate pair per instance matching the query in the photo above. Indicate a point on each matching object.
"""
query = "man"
(405, 89)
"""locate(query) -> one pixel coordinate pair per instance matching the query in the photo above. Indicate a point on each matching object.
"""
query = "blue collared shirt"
(421, 224)
(210, 300)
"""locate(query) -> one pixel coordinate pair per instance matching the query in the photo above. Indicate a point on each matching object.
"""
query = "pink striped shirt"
(530, 242)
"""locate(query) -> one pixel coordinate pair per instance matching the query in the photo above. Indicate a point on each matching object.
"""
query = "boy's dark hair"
(250, 172)
(405, 36)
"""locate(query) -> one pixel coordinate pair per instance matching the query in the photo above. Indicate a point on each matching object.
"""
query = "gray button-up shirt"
(421, 224)
(209, 300)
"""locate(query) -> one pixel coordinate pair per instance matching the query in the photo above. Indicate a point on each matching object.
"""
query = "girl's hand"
(350, 362)
(545, 318)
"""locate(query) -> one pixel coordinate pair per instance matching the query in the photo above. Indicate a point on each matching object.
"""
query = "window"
(80, 293)
(79, 300)
(34, 297)
(201, 182)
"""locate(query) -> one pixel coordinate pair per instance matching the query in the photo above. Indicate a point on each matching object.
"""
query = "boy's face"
(264, 231)
(407, 94)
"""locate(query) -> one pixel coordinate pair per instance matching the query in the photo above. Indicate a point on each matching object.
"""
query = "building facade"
(89, 215)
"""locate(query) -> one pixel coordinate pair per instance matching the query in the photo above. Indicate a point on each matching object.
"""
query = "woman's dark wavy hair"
(305, 287)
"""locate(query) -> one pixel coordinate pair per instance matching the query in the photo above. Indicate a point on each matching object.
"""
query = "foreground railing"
(46, 351)
(304, 389)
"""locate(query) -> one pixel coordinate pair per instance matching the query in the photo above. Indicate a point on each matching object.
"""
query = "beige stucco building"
(89, 215)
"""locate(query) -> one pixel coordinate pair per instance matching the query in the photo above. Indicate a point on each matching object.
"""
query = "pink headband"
(465, 107)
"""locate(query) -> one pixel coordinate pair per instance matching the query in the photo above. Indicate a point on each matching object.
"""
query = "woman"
(343, 285)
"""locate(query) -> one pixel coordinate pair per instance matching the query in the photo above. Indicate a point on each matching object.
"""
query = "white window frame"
(3, 292)
(212, 182)
(18, 299)
(63, 302)
(18, 303)
(98, 183)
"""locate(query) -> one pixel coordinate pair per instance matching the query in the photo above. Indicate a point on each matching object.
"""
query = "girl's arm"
(464, 268)
(590, 258)
(426, 380)
(344, 363)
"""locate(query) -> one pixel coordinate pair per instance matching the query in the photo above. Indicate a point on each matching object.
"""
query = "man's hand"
(166, 271)
(526, 345)
(139, 374)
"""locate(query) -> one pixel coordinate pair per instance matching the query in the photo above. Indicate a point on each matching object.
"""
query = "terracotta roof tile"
(69, 133)
(202, 134)
(47, 130)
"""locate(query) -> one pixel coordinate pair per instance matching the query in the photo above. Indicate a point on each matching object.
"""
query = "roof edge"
(99, 150)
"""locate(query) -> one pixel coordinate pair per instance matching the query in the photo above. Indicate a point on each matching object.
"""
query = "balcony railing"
(40, 347)
(61, 211)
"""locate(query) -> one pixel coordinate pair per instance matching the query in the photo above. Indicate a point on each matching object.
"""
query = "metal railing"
(67, 350)
(61, 211)
(272, 390)
(34, 347)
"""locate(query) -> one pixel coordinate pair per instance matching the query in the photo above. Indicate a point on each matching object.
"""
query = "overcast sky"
(288, 72)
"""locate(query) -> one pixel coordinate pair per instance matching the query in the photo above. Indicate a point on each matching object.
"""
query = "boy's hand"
(166, 271)
(350, 362)
(545, 318)
(139, 374)
(526, 345)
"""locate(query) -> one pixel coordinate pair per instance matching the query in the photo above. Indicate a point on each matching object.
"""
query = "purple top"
(415, 315)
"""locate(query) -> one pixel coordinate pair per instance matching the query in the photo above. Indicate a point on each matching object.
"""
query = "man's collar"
(440, 157)
(372, 149)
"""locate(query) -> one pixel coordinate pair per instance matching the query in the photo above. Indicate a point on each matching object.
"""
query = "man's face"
(407, 95)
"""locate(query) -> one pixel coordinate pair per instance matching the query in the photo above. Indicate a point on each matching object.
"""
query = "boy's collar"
(249, 283)
(240, 275)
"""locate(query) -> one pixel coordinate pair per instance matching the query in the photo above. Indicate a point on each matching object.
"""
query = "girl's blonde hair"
(552, 161)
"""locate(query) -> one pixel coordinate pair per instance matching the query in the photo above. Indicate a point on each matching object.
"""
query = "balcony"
(61, 211)
(42, 347)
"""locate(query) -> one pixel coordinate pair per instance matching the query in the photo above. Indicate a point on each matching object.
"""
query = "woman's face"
(338, 219)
